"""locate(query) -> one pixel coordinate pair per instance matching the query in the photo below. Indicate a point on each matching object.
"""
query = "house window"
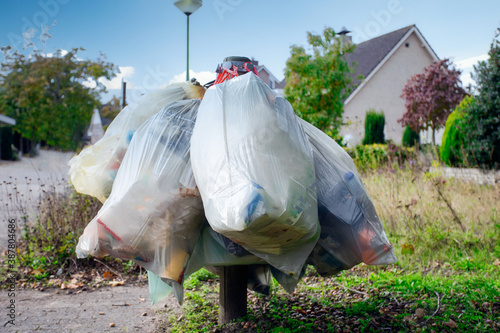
(407, 44)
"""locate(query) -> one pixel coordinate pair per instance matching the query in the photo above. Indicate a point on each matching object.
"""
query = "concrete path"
(111, 309)
(22, 182)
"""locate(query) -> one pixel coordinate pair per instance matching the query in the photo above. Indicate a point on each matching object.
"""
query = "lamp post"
(188, 7)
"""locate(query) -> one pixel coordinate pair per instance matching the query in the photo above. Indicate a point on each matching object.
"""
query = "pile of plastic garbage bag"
(228, 176)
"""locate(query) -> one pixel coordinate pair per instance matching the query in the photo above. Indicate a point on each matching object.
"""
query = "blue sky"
(147, 38)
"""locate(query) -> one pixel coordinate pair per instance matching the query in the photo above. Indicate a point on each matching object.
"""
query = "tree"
(317, 84)
(111, 109)
(50, 97)
(431, 96)
(410, 137)
(454, 150)
(482, 121)
(374, 127)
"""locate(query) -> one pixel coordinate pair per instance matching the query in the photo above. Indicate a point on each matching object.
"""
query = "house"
(271, 80)
(386, 63)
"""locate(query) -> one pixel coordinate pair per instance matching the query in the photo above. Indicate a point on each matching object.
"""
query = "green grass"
(446, 234)
(365, 299)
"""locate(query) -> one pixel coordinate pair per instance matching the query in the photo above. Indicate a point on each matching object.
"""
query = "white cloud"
(116, 82)
(202, 77)
(469, 62)
(63, 53)
(466, 66)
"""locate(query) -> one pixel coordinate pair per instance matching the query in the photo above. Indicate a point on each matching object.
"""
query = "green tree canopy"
(482, 121)
(317, 83)
(52, 98)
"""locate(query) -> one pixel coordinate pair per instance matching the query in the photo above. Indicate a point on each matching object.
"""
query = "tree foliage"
(374, 127)
(317, 83)
(453, 150)
(483, 117)
(431, 96)
(111, 109)
(50, 97)
(410, 137)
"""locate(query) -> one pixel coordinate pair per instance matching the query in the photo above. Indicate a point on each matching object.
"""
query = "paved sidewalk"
(22, 182)
(53, 310)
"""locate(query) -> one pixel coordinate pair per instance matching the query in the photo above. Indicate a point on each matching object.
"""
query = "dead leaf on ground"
(37, 271)
(496, 262)
(108, 275)
(451, 324)
(116, 283)
(73, 284)
(55, 282)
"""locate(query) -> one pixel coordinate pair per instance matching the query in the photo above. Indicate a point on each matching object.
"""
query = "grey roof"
(370, 53)
(7, 120)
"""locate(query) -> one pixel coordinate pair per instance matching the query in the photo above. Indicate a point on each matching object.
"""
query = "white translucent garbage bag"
(154, 213)
(94, 169)
(351, 231)
(255, 171)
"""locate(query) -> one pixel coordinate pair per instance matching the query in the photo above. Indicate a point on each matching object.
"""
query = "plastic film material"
(254, 168)
(154, 213)
(93, 171)
(351, 231)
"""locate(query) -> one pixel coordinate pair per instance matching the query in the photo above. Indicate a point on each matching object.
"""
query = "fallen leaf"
(116, 283)
(496, 262)
(73, 284)
(55, 282)
(108, 275)
(37, 271)
(301, 311)
(451, 324)
(407, 249)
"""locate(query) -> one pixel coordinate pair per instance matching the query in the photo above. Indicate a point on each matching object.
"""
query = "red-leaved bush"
(431, 96)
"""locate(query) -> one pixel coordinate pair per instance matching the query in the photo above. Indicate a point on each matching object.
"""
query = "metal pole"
(233, 293)
(187, 60)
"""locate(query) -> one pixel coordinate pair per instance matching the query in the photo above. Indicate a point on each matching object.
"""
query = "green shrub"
(410, 137)
(374, 127)
(452, 149)
(377, 155)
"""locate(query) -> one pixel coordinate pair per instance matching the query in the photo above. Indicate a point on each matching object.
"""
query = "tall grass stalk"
(441, 220)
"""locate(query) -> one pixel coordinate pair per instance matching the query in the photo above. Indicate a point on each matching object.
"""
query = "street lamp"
(188, 7)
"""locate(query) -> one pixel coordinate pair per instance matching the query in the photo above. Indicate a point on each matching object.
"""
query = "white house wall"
(383, 92)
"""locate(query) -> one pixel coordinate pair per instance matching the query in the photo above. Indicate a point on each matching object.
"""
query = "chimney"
(344, 38)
